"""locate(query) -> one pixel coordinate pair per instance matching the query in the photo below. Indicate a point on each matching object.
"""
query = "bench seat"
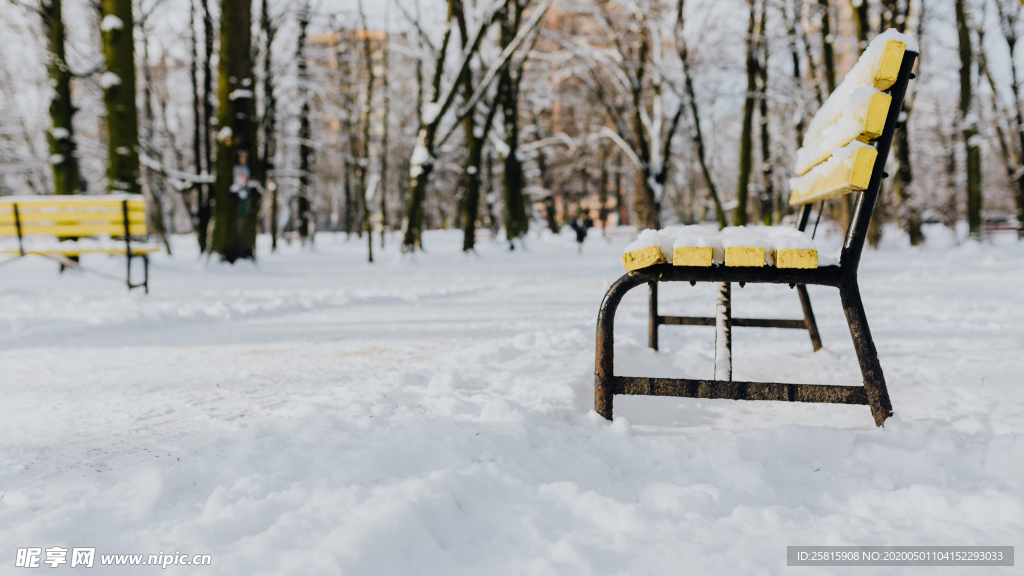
(74, 251)
(697, 246)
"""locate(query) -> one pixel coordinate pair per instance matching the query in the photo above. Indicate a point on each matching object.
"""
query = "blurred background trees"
(289, 118)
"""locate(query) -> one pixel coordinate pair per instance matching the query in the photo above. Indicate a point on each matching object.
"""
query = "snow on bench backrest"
(835, 159)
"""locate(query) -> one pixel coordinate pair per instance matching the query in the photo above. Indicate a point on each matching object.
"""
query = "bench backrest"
(836, 158)
(71, 216)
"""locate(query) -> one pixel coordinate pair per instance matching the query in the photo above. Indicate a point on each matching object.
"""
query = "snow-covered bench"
(845, 149)
(89, 220)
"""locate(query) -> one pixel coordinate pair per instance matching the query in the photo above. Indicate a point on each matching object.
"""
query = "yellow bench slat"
(835, 177)
(796, 258)
(34, 218)
(74, 230)
(74, 202)
(744, 256)
(692, 256)
(889, 64)
(643, 258)
(76, 251)
(816, 151)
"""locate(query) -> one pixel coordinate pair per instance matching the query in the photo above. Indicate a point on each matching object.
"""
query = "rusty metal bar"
(808, 323)
(652, 316)
(17, 226)
(745, 322)
(719, 389)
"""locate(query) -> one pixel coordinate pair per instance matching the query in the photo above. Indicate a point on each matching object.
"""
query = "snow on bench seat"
(702, 246)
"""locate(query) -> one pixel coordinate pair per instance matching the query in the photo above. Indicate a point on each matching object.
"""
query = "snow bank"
(316, 414)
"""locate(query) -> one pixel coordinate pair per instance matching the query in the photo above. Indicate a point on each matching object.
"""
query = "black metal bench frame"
(844, 277)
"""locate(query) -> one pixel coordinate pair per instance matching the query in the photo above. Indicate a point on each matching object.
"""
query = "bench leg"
(723, 332)
(605, 357)
(652, 317)
(871, 369)
(812, 326)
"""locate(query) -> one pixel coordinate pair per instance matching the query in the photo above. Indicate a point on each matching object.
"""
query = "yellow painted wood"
(643, 258)
(874, 122)
(73, 202)
(889, 64)
(794, 258)
(692, 256)
(846, 177)
(74, 230)
(744, 256)
(35, 218)
(75, 251)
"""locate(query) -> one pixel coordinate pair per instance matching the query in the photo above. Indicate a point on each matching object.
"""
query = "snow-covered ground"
(315, 414)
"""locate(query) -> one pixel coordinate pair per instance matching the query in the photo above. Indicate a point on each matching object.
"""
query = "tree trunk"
(269, 117)
(205, 208)
(197, 133)
(1009, 16)
(119, 97)
(384, 145)
(364, 154)
(861, 23)
(747, 133)
(602, 191)
(768, 192)
(154, 181)
(517, 220)
(792, 17)
(696, 134)
(827, 49)
(236, 201)
(969, 122)
(305, 151)
(63, 150)
(422, 162)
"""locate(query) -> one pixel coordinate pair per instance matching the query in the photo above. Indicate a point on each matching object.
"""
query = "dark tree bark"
(768, 184)
(269, 29)
(517, 220)
(236, 201)
(204, 211)
(305, 151)
(1009, 19)
(386, 93)
(696, 134)
(197, 133)
(792, 16)
(119, 96)
(747, 131)
(63, 150)
(364, 152)
(969, 120)
(827, 47)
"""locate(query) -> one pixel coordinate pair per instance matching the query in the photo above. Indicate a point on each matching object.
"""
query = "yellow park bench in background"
(844, 152)
(86, 224)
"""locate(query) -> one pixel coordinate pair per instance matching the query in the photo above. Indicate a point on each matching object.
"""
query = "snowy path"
(318, 415)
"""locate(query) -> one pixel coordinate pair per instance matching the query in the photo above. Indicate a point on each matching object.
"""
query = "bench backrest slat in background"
(72, 216)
